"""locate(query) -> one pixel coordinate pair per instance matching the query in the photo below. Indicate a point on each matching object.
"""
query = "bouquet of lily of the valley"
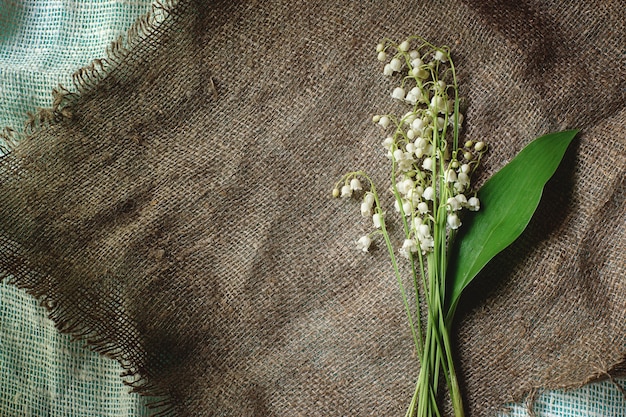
(450, 231)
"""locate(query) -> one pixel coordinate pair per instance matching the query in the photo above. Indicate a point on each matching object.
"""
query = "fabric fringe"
(162, 14)
(87, 78)
(160, 405)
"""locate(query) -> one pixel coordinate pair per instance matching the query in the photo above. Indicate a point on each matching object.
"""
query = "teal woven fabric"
(44, 373)
(602, 399)
(43, 42)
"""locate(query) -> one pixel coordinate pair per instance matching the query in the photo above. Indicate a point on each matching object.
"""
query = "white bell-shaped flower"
(453, 221)
(473, 204)
(423, 231)
(377, 219)
(396, 64)
(461, 199)
(450, 176)
(427, 244)
(463, 179)
(429, 193)
(418, 124)
(440, 56)
(364, 243)
(407, 207)
(355, 184)
(408, 246)
(388, 143)
(366, 209)
(346, 191)
(398, 93)
(453, 204)
(369, 198)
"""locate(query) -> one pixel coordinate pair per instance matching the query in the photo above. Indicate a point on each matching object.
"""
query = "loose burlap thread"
(176, 211)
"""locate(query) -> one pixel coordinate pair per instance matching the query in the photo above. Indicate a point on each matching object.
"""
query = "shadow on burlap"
(177, 214)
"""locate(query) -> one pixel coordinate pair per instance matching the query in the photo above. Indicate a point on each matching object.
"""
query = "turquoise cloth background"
(42, 372)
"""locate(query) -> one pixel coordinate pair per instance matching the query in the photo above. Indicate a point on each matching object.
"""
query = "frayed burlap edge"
(162, 15)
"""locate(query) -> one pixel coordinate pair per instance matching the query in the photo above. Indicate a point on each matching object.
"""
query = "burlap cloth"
(176, 214)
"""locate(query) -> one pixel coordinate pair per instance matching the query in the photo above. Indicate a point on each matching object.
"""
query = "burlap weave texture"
(177, 212)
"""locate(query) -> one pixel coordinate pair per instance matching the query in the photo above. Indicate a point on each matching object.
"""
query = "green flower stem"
(453, 382)
(407, 234)
(426, 406)
(417, 297)
(455, 136)
(405, 301)
(437, 353)
(396, 270)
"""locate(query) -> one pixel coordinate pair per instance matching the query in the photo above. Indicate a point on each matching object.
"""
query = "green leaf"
(508, 201)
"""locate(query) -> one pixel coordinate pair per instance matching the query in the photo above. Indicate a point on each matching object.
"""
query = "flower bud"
(420, 143)
(384, 121)
(417, 124)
